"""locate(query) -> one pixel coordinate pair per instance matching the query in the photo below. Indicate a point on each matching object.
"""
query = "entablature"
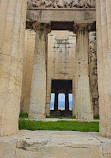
(33, 4)
(61, 14)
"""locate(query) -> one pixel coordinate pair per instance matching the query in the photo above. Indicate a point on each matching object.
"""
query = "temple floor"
(55, 144)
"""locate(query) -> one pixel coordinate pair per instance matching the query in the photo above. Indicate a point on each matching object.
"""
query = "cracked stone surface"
(54, 144)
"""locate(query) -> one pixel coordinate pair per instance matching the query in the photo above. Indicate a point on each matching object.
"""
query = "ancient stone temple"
(35, 61)
(81, 83)
(55, 46)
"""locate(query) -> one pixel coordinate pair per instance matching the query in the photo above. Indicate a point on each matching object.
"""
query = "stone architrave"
(12, 33)
(38, 88)
(103, 16)
(83, 102)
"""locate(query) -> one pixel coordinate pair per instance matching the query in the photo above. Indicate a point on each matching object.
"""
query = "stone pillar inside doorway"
(56, 102)
(83, 102)
(38, 88)
(67, 101)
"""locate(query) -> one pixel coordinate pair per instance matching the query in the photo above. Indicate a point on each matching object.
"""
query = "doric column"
(66, 101)
(48, 98)
(27, 70)
(38, 88)
(83, 100)
(12, 33)
(56, 102)
(104, 64)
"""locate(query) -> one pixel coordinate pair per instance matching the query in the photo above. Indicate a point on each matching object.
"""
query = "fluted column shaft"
(83, 101)
(38, 88)
(104, 64)
(12, 33)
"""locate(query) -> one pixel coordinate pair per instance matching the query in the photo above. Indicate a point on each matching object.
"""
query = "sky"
(61, 97)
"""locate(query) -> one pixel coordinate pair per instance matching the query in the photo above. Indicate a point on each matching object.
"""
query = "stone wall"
(61, 60)
(93, 72)
(27, 73)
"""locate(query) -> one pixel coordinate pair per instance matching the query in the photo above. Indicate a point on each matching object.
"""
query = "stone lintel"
(64, 15)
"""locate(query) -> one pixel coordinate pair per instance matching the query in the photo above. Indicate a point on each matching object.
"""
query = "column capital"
(42, 26)
(82, 27)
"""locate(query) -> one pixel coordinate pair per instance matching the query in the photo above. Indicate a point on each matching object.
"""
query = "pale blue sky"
(61, 97)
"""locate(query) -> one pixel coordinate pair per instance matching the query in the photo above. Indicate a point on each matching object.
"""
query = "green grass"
(59, 126)
(23, 115)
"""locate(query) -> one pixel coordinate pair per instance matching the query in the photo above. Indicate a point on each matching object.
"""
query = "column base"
(86, 117)
(35, 116)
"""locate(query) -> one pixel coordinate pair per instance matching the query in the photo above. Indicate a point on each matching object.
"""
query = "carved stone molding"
(82, 27)
(42, 26)
(61, 4)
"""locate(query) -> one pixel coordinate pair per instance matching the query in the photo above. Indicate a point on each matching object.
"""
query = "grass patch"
(59, 126)
(23, 115)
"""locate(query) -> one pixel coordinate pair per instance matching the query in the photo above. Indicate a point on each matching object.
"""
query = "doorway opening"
(61, 98)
